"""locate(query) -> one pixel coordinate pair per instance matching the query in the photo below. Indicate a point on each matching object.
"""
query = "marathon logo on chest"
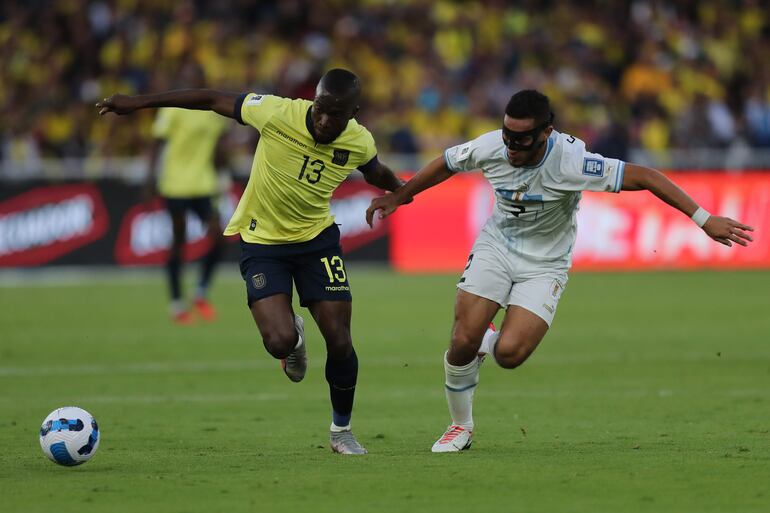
(593, 167)
(340, 157)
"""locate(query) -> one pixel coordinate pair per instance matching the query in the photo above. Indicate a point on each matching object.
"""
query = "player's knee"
(339, 345)
(463, 341)
(510, 358)
(280, 342)
(463, 348)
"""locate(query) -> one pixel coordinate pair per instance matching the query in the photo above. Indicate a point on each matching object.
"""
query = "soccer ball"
(69, 436)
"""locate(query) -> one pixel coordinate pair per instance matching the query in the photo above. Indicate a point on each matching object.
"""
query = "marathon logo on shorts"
(593, 167)
(259, 281)
(337, 288)
(340, 157)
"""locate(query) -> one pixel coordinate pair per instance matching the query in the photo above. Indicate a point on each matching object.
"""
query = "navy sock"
(342, 376)
(173, 270)
(208, 265)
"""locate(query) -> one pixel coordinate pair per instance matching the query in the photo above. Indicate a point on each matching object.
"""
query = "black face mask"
(526, 140)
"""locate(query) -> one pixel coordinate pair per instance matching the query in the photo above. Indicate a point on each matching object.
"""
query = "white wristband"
(700, 216)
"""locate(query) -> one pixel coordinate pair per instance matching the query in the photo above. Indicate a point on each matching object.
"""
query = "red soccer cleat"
(183, 318)
(205, 310)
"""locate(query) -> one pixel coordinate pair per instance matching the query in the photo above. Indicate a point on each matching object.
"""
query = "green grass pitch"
(650, 393)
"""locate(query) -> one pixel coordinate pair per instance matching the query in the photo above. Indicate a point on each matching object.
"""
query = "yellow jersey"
(187, 163)
(292, 177)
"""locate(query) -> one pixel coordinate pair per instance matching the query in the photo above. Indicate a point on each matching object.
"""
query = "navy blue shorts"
(201, 205)
(315, 267)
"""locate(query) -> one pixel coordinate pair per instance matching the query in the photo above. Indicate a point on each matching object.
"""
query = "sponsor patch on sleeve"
(593, 167)
(255, 99)
(462, 152)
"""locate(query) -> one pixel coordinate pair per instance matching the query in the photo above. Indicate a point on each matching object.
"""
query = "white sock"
(460, 384)
(489, 342)
(337, 429)
(299, 340)
(177, 306)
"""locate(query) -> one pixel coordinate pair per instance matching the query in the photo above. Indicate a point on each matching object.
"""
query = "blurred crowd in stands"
(640, 73)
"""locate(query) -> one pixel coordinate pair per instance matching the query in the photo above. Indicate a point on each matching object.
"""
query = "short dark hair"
(341, 82)
(529, 104)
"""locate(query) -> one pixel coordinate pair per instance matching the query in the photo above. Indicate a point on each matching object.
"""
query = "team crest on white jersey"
(593, 167)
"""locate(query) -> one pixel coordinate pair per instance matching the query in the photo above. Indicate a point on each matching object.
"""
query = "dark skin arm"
(432, 174)
(196, 99)
(383, 178)
(722, 229)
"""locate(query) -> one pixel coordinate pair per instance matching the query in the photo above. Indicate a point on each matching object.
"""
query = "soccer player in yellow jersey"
(186, 142)
(306, 150)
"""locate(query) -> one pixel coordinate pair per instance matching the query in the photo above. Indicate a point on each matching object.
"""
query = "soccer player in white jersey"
(521, 257)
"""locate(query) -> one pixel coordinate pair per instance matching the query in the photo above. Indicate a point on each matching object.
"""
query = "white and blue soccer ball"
(69, 436)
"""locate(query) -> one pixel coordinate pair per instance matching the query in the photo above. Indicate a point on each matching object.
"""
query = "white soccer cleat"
(295, 365)
(455, 439)
(343, 442)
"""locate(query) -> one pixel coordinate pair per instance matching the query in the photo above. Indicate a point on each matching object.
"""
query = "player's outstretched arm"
(722, 229)
(381, 176)
(196, 99)
(432, 174)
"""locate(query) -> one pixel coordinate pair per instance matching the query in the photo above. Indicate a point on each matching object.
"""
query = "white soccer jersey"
(535, 207)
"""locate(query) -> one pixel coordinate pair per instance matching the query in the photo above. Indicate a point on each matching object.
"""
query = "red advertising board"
(46, 222)
(145, 234)
(107, 222)
(144, 237)
(626, 231)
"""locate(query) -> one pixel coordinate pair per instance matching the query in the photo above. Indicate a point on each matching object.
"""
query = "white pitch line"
(379, 361)
(424, 391)
(136, 368)
(187, 398)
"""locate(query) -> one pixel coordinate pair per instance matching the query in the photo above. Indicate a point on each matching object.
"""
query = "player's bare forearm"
(722, 229)
(638, 178)
(383, 178)
(432, 174)
(196, 99)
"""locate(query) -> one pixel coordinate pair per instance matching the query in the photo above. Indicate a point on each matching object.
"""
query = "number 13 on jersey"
(335, 269)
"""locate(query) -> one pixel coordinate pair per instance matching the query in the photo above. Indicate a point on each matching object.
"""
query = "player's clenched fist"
(117, 103)
(386, 204)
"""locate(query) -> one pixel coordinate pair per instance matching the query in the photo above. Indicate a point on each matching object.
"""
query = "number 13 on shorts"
(335, 269)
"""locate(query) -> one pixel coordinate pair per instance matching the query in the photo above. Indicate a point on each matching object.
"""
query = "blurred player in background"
(521, 257)
(306, 150)
(185, 144)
